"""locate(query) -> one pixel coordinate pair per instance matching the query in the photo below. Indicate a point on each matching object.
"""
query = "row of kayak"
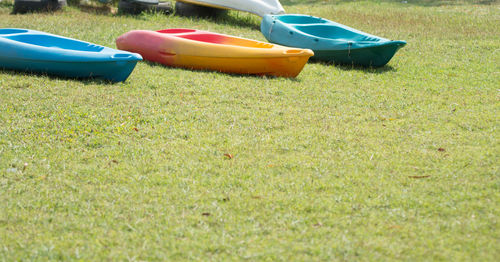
(295, 38)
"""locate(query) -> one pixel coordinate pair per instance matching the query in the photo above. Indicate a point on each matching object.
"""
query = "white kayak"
(258, 7)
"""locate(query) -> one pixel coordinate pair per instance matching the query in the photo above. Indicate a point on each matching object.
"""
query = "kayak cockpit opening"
(302, 20)
(55, 42)
(176, 31)
(336, 32)
(9, 31)
(225, 40)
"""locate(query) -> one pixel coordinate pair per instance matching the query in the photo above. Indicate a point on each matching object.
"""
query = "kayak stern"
(330, 41)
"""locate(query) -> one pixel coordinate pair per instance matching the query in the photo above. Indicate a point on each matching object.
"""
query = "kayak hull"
(201, 50)
(39, 52)
(277, 66)
(112, 71)
(258, 7)
(330, 41)
(375, 56)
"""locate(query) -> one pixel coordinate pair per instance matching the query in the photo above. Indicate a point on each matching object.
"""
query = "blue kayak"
(34, 51)
(330, 41)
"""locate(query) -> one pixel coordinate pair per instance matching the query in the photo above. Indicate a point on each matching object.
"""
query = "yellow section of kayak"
(196, 49)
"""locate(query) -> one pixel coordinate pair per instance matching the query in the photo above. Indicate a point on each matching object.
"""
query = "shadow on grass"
(370, 70)
(229, 18)
(154, 64)
(347, 67)
(409, 2)
(99, 10)
(85, 81)
(235, 20)
(226, 18)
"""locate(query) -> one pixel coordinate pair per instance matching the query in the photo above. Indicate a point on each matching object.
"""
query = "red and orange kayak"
(195, 49)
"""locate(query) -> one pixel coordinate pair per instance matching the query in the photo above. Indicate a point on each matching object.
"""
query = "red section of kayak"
(194, 49)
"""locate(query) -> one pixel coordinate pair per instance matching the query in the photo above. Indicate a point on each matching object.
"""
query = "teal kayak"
(330, 41)
(39, 52)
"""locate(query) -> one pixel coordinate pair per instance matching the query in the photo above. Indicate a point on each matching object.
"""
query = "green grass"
(323, 166)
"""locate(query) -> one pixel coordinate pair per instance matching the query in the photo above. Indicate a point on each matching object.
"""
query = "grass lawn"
(341, 163)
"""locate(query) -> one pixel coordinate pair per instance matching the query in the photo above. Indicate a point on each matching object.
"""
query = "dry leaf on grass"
(419, 176)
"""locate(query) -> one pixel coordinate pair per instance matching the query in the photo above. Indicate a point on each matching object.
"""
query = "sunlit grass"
(342, 163)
